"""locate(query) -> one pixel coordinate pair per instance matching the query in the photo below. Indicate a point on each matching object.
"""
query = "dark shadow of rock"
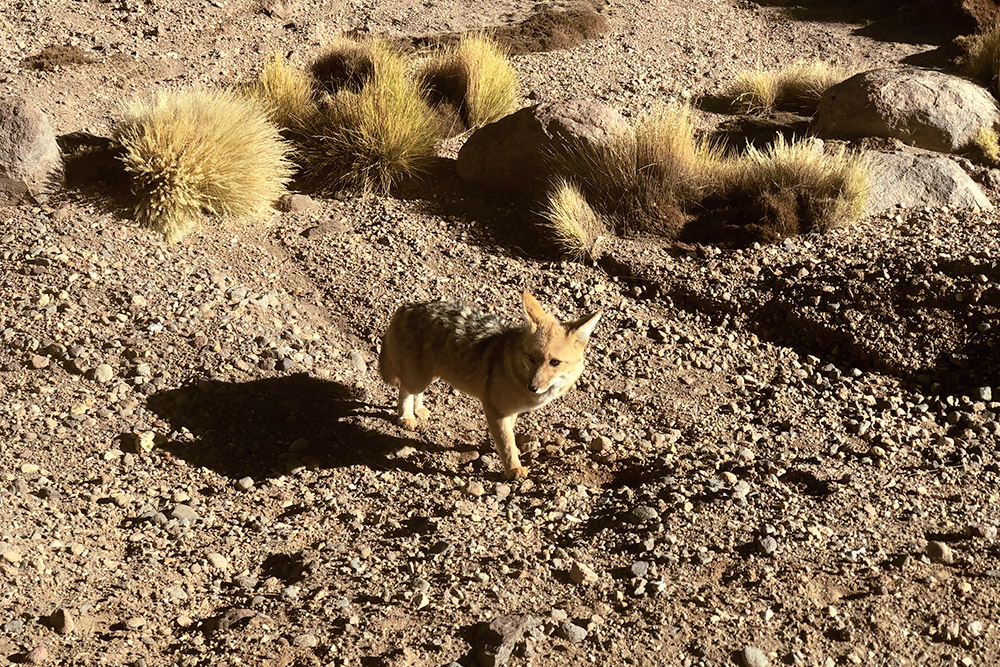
(744, 130)
(503, 221)
(245, 428)
(94, 170)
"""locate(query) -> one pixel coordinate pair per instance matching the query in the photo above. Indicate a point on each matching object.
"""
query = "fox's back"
(446, 339)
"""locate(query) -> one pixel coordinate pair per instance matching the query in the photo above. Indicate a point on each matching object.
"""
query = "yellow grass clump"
(286, 91)
(987, 140)
(192, 151)
(796, 188)
(370, 138)
(575, 227)
(799, 86)
(982, 59)
(476, 77)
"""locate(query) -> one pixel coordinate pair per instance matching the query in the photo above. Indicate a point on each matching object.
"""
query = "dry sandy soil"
(777, 455)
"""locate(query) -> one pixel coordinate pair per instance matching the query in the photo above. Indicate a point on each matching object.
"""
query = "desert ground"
(200, 463)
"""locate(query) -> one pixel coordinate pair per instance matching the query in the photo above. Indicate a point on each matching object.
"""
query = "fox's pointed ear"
(534, 314)
(583, 327)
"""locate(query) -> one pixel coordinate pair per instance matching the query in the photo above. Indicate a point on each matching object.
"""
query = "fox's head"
(553, 351)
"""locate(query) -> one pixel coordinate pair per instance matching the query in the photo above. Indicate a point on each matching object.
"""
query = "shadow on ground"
(248, 428)
(502, 221)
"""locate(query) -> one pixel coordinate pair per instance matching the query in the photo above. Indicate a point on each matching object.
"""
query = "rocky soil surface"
(784, 454)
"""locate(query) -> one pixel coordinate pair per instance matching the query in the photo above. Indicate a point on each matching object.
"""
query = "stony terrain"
(782, 454)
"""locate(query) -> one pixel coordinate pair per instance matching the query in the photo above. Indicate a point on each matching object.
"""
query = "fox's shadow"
(248, 428)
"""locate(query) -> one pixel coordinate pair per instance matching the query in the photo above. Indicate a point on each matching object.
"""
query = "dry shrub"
(476, 77)
(787, 189)
(646, 180)
(197, 150)
(575, 228)
(346, 64)
(798, 87)
(552, 29)
(987, 141)
(286, 91)
(982, 60)
(368, 139)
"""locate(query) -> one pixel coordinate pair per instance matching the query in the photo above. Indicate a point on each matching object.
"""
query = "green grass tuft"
(192, 151)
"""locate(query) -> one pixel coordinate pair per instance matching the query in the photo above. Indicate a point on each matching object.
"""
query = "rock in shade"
(582, 574)
(62, 621)
(940, 552)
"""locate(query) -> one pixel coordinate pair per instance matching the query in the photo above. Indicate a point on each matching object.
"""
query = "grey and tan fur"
(510, 370)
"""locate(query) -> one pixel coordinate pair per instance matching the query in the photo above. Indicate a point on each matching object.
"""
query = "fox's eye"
(554, 362)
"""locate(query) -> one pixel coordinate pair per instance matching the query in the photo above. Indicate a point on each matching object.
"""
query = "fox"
(511, 370)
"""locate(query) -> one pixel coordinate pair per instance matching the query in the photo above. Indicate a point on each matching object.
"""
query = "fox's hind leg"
(411, 402)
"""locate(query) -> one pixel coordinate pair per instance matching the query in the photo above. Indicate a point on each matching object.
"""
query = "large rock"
(28, 150)
(511, 153)
(495, 642)
(924, 108)
(916, 180)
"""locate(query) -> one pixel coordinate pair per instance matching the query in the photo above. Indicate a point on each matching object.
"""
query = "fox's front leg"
(502, 430)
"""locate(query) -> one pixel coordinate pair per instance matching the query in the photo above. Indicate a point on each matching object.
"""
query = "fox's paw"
(517, 472)
(409, 423)
(422, 413)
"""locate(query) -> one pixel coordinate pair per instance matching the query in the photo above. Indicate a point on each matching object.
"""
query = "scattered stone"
(135, 623)
(495, 642)
(307, 640)
(218, 561)
(144, 442)
(639, 569)
(940, 552)
(37, 655)
(474, 489)
(28, 149)
(244, 483)
(62, 621)
(921, 107)
(420, 600)
(37, 361)
(184, 512)
(582, 574)
(753, 657)
(103, 373)
(571, 632)
(767, 545)
(642, 514)
(296, 203)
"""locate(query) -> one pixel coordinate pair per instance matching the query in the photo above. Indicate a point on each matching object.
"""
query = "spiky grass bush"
(286, 91)
(476, 76)
(799, 86)
(982, 59)
(345, 64)
(369, 139)
(795, 187)
(199, 150)
(646, 179)
(987, 141)
(575, 228)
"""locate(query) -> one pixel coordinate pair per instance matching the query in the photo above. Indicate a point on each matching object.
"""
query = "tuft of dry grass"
(799, 86)
(575, 228)
(198, 150)
(982, 60)
(987, 140)
(475, 76)
(370, 138)
(796, 188)
(346, 64)
(286, 91)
